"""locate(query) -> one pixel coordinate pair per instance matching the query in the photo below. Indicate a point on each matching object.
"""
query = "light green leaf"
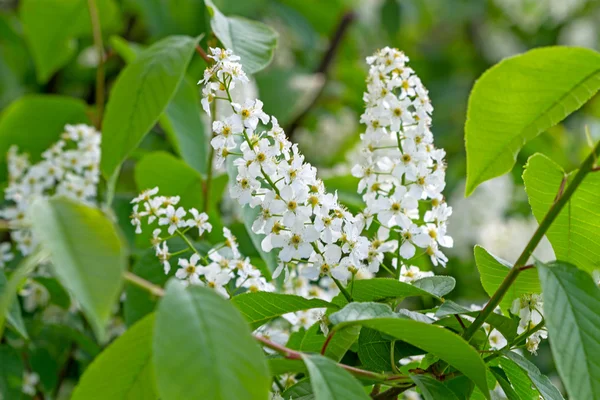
(140, 95)
(360, 311)
(541, 382)
(173, 17)
(87, 254)
(432, 389)
(438, 286)
(260, 307)
(123, 371)
(203, 348)
(9, 290)
(508, 390)
(518, 99)
(181, 119)
(43, 118)
(13, 316)
(573, 232)
(433, 339)
(279, 366)
(253, 41)
(374, 350)
(493, 270)
(52, 42)
(300, 391)
(519, 380)
(330, 382)
(572, 314)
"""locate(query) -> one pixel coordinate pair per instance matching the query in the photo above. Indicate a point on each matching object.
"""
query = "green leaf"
(438, 286)
(504, 384)
(87, 253)
(9, 290)
(572, 314)
(338, 345)
(51, 40)
(181, 119)
(279, 366)
(519, 380)
(203, 348)
(260, 307)
(140, 95)
(253, 41)
(360, 311)
(13, 316)
(11, 373)
(43, 118)
(379, 289)
(573, 232)
(124, 370)
(541, 382)
(433, 339)
(432, 389)
(300, 391)
(521, 97)
(330, 382)
(493, 270)
(374, 350)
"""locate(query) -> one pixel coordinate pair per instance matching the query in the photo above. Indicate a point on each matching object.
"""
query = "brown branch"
(324, 68)
(203, 54)
(460, 321)
(329, 337)
(561, 189)
(391, 393)
(97, 34)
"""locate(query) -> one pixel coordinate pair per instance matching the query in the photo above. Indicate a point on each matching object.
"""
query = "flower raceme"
(399, 166)
(297, 216)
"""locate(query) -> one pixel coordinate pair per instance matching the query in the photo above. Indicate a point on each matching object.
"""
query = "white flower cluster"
(70, 167)
(297, 215)
(529, 308)
(220, 266)
(400, 166)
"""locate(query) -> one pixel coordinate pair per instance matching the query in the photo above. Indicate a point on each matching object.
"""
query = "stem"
(97, 33)
(187, 241)
(323, 69)
(144, 284)
(342, 289)
(296, 355)
(586, 167)
(329, 337)
(209, 169)
(203, 54)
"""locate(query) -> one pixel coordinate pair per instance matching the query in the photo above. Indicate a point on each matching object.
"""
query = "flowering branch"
(586, 167)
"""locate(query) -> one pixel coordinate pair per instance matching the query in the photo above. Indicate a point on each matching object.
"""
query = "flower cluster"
(399, 166)
(529, 308)
(297, 215)
(219, 268)
(70, 167)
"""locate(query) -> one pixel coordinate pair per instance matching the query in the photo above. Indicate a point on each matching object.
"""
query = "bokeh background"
(315, 83)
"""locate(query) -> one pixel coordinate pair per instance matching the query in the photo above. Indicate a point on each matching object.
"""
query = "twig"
(97, 34)
(326, 343)
(392, 393)
(203, 54)
(460, 321)
(342, 289)
(527, 267)
(323, 68)
(144, 284)
(553, 212)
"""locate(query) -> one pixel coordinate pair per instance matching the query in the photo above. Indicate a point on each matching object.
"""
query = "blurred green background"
(314, 85)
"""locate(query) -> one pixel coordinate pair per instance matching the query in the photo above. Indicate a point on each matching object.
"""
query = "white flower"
(199, 221)
(231, 242)
(30, 381)
(411, 273)
(296, 243)
(216, 279)
(190, 270)
(6, 254)
(250, 113)
(173, 218)
(162, 252)
(145, 195)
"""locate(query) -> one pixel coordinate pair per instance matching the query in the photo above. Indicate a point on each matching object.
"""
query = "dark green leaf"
(87, 254)
(11, 373)
(572, 313)
(124, 370)
(14, 317)
(504, 384)
(562, 78)
(519, 380)
(203, 348)
(541, 382)
(338, 345)
(432, 389)
(378, 289)
(279, 366)
(260, 307)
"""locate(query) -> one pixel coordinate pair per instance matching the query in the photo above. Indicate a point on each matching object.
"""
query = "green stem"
(209, 168)
(189, 243)
(562, 199)
(97, 34)
(144, 284)
(342, 289)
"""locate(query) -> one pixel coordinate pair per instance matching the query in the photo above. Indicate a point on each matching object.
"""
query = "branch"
(203, 54)
(323, 68)
(144, 284)
(296, 355)
(97, 33)
(586, 167)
